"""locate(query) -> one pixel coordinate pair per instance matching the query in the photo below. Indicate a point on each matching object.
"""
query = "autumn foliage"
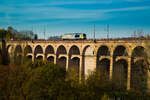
(45, 81)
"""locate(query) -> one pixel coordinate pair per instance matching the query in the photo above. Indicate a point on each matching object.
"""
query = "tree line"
(42, 80)
(12, 34)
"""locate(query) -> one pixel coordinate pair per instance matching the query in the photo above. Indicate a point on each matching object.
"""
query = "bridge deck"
(111, 40)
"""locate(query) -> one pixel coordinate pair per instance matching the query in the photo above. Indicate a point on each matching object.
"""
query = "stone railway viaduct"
(87, 55)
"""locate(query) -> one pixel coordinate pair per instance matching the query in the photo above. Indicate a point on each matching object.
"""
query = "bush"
(45, 81)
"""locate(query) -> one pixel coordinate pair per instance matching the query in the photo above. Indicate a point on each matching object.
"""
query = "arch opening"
(61, 50)
(29, 58)
(50, 59)
(39, 58)
(120, 51)
(103, 51)
(18, 49)
(74, 50)
(18, 55)
(139, 51)
(120, 70)
(38, 50)
(74, 65)
(139, 75)
(103, 67)
(62, 62)
(27, 50)
(49, 50)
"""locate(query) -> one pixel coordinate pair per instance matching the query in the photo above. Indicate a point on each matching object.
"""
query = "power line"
(94, 32)
(107, 31)
(44, 33)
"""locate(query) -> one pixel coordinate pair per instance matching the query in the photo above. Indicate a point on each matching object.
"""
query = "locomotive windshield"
(77, 36)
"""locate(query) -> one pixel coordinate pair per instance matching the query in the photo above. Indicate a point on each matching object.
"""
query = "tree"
(2, 33)
(35, 37)
(47, 81)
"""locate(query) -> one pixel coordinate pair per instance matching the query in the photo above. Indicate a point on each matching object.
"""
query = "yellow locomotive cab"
(81, 36)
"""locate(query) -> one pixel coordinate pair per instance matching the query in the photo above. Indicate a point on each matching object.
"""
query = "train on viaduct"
(106, 55)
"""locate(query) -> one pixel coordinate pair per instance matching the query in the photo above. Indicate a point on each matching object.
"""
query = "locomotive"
(74, 36)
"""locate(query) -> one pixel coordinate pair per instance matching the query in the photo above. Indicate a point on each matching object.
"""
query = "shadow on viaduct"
(113, 58)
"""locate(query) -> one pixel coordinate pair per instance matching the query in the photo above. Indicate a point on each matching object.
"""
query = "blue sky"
(63, 16)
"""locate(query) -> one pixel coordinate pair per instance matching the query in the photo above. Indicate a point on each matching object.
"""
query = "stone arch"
(120, 70)
(61, 60)
(27, 50)
(49, 50)
(138, 51)
(103, 68)
(139, 76)
(18, 48)
(61, 50)
(38, 51)
(138, 70)
(87, 60)
(120, 51)
(102, 51)
(50, 59)
(74, 50)
(74, 64)
(18, 55)
(74, 59)
(39, 57)
(29, 57)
